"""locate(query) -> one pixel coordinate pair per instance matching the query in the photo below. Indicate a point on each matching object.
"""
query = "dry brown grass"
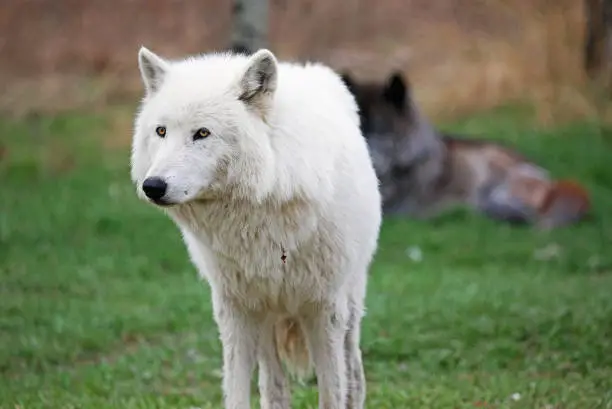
(461, 55)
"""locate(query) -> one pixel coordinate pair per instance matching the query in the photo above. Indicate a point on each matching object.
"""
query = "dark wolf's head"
(384, 108)
(398, 136)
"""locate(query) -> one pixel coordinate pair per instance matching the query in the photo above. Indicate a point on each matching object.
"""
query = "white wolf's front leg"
(273, 386)
(238, 332)
(325, 332)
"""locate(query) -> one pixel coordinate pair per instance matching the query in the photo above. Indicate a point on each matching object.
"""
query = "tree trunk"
(598, 49)
(249, 25)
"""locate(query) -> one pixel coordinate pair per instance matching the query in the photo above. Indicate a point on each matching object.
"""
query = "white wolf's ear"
(153, 69)
(258, 82)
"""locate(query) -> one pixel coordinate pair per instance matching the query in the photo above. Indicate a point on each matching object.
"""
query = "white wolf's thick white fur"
(285, 171)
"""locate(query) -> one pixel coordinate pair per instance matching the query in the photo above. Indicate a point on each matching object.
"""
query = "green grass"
(100, 307)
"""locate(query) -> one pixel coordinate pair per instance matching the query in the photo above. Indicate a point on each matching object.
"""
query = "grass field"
(100, 307)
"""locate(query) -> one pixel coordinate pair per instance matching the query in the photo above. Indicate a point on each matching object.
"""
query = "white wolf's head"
(202, 129)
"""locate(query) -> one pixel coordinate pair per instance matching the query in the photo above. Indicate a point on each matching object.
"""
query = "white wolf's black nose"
(154, 188)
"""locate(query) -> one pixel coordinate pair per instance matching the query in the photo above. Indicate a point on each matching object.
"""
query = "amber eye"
(160, 131)
(201, 134)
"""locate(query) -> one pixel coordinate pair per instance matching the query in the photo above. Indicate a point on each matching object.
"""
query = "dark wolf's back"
(422, 170)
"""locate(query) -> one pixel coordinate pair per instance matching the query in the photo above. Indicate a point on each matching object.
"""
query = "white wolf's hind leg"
(354, 365)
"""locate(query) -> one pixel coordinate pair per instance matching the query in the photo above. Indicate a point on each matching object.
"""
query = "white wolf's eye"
(160, 131)
(201, 134)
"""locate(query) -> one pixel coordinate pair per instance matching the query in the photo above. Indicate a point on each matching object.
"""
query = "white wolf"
(263, 168)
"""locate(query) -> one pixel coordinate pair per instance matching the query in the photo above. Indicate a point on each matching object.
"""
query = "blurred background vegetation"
(462, 55)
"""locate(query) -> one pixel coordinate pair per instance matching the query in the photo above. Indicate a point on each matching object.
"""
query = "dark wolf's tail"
(566, 202)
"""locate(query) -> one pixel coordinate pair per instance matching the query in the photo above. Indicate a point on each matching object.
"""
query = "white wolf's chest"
(241, 254)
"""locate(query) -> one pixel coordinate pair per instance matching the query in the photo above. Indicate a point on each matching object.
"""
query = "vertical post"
(598, 47)
(249, 25)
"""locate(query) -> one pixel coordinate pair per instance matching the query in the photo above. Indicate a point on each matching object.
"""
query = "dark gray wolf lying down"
(424, 172)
